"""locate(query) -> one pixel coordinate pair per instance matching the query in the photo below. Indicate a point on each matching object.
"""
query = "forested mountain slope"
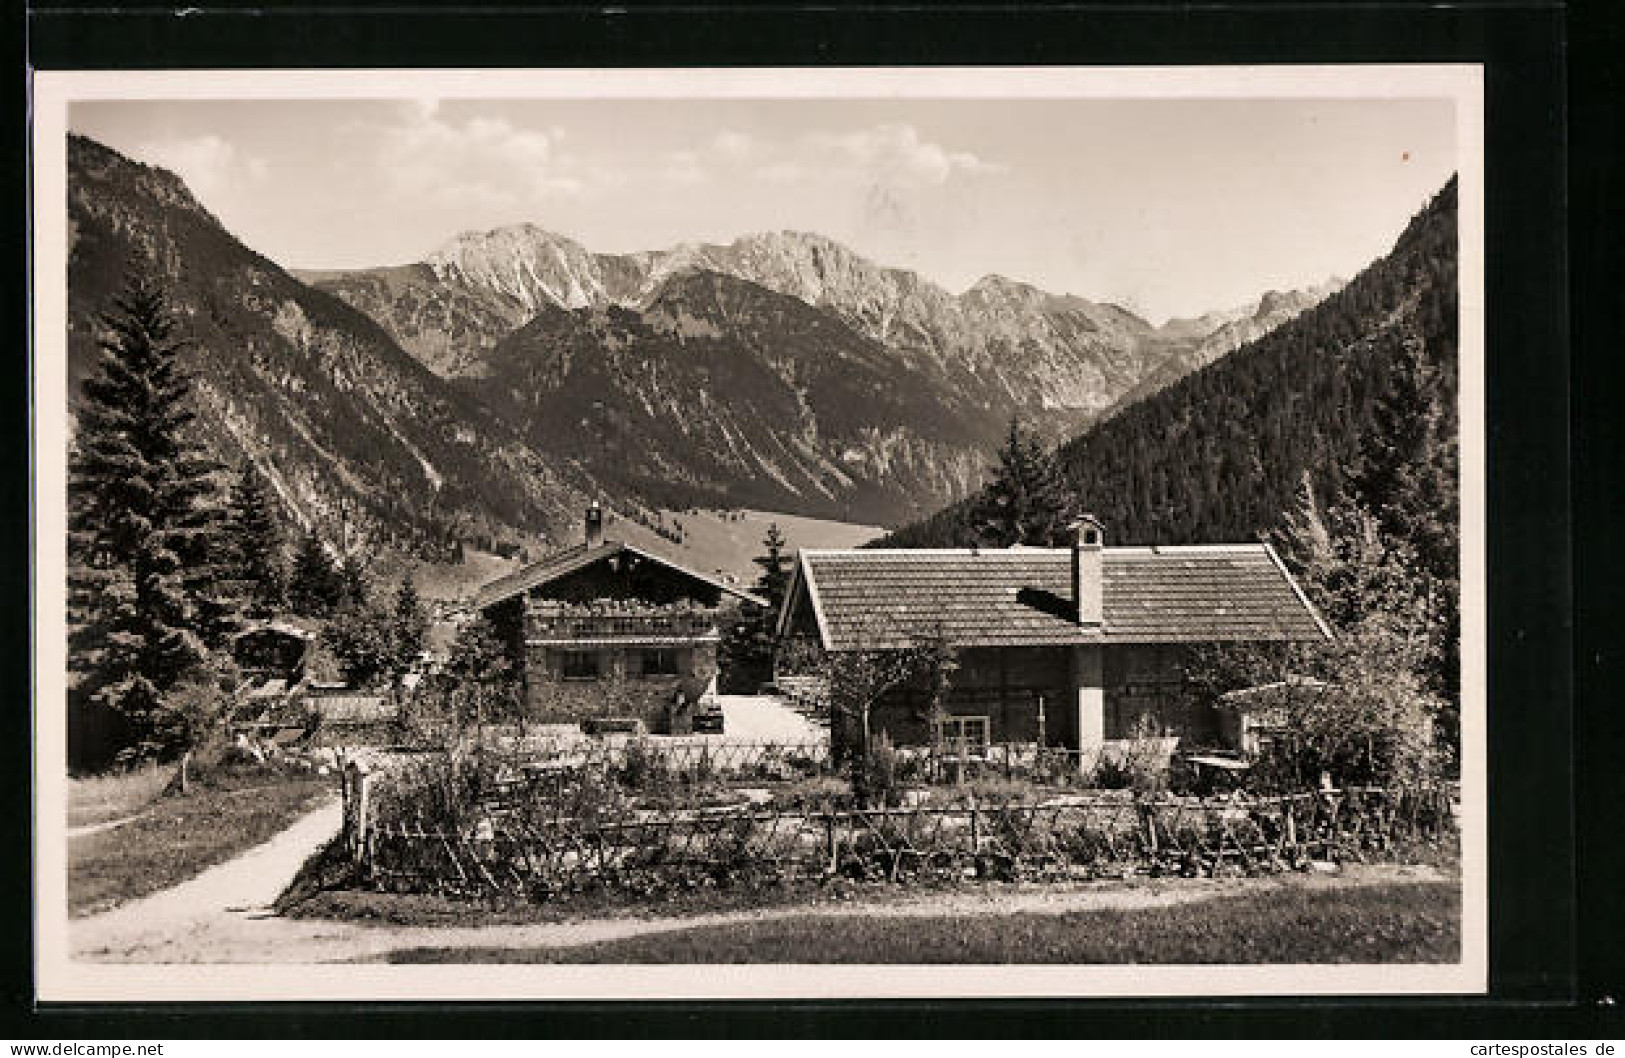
(719, 392)
(352, 432)
(1220, 454)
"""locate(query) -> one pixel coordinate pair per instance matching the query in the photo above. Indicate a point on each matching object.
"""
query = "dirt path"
(223, 915)
(197, 914)
(97, 828)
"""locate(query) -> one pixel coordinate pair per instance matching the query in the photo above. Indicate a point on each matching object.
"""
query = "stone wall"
(621, 689)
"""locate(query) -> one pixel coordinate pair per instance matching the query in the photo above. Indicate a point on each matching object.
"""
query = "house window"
(579, 665)
(660, 662)
(970, 730)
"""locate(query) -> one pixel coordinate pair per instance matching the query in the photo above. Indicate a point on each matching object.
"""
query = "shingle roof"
(1023, 597)
(567, 561)
(354, 708)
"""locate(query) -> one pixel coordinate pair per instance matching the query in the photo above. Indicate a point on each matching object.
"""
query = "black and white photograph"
(760, 533)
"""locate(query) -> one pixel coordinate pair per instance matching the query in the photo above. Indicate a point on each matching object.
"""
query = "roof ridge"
(565, 560)
(1025, 551)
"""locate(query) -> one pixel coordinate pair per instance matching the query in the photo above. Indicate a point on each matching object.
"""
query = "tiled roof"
(1023, 597)
(354, 708)
(567, 561)
(282, 628)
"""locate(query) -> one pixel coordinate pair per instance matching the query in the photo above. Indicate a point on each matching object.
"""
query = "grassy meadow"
(1410, 922)
(164, 840)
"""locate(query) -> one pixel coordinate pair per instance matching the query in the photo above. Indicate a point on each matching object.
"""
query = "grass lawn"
(96, 799)
(175, 838)
(1401, 923)
(306, 898)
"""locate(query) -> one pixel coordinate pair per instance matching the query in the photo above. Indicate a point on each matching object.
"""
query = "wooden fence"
(1080, 838)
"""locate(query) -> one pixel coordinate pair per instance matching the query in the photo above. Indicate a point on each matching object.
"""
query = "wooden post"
(363, 836)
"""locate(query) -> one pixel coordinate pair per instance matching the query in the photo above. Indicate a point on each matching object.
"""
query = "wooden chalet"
(608, 630)
(1086, 642)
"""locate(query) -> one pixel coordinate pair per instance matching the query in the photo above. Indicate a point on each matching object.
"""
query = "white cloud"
(732, 145)
(479, 162)
(209, 164)
(889, 154)
(893, 153)
(684, 167)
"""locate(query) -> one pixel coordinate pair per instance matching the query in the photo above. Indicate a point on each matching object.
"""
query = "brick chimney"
(595, 525)
(1088, 543)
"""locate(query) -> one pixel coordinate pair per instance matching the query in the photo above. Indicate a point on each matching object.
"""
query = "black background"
(1555, 964)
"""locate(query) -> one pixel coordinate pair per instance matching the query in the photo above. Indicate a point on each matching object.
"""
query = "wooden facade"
(1084, 647)
(607, 630)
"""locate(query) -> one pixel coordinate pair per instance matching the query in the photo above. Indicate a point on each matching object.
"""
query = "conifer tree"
(775, 568)
(256, 539)
(314, 587)
(1028, 501)
(352, 581)
(411, 624)
(746, 650)
(1406, 476)
(143, 537)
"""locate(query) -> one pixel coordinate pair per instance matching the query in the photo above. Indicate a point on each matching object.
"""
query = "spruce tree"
(1028, 501)
(775, 568)
(746, 650)
(256, 539)
(314, 589)
(352, 581)
(411, 624)
(144, 539)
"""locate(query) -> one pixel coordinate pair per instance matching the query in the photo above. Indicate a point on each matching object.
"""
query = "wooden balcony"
(556, 624)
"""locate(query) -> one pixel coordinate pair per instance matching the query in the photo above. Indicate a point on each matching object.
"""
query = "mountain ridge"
(1020, 348)
(1222, 453)
(355, 434)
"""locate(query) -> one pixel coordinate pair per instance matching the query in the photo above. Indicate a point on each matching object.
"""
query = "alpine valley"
(480, 396)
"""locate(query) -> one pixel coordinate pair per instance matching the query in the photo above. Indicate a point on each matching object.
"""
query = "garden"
(656, 816)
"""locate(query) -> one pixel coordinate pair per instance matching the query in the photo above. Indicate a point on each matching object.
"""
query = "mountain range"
(356, 436)
(1221, 453)
(481, 394)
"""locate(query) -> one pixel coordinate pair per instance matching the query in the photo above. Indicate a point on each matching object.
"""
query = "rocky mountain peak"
(525, 262)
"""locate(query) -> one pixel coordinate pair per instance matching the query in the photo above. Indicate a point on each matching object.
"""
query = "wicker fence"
(1074, 837)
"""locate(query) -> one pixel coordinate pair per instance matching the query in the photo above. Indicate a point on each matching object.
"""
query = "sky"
(1168, 207)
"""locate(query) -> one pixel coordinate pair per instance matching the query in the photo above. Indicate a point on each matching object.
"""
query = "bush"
(643, 768)
(1139, 764)
(994, 792)
(821, 792)
(875, 779)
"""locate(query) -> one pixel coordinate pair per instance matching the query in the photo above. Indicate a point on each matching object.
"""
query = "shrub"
(821, 792)
(1139, 764)
(875, 780)
(987, 792)
(643, 768)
